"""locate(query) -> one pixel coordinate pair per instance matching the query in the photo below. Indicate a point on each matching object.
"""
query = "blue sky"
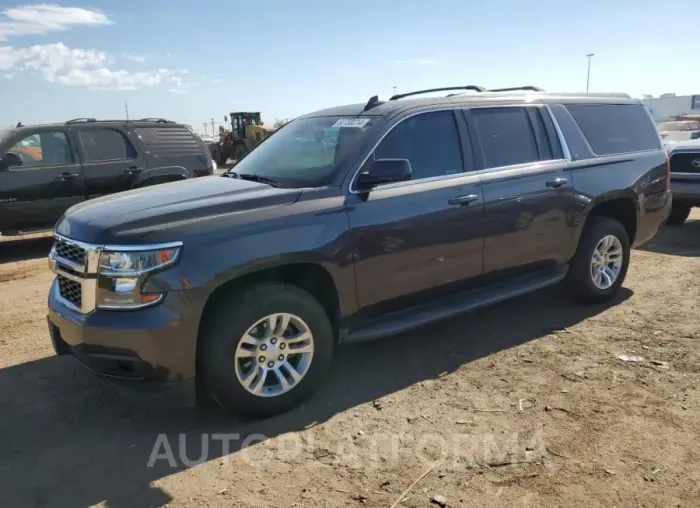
(192, 61)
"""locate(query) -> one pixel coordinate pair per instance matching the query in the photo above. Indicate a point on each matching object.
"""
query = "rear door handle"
(64, 177)
(557, 182)
(463, 200)
(133, 170)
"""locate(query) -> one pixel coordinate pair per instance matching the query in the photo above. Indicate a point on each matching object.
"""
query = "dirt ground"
(523, 404)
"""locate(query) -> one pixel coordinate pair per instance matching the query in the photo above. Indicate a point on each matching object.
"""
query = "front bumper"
(150, 348)
(686, 189)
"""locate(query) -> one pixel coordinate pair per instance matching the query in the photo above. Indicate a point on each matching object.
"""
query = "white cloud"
(45, 18)
(416, 61)
(136, 58)
(178, 90)
(57, 63)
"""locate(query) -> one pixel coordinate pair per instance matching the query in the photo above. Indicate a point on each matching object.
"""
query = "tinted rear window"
(616, 128)
(506, 136)
(105, 145)
(169, 141)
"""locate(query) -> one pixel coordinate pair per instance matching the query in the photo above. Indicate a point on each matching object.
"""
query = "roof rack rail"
(518, 88)
(474, 88)
(157, 120)
(81, 120)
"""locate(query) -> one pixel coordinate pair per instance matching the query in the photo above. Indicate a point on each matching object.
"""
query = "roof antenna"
(372, 102)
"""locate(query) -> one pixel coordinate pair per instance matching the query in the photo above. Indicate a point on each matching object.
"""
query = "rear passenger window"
(105, 145)
(507, 136)
(172, 141)
(615, 128)
(429, 140)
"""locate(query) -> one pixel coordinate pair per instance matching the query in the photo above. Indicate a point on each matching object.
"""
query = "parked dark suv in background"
(45, 169)
(350, 224)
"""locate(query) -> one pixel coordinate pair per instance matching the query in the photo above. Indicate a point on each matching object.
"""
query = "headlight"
(123, 272)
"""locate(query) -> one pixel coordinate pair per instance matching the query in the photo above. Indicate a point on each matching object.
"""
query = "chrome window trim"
(351, 187)
(524, 169)
(560, 134)
(485, 171)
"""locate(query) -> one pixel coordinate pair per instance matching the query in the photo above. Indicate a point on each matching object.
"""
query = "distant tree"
(279, 122)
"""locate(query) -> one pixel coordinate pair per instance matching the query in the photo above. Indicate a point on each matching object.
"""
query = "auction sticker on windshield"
(351, 122)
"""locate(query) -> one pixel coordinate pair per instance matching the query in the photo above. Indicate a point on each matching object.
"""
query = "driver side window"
(430, 141)
(42, 149)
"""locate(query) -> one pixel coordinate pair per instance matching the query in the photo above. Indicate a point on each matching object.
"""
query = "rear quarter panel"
(640, 177)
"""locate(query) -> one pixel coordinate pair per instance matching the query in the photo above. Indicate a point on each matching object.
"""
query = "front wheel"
(265, 350)
(600, 264)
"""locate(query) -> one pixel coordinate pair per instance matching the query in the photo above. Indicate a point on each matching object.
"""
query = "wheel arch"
(621, 206)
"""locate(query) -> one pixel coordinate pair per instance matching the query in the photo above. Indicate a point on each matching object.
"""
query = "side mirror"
(10, 159)
(384, 171)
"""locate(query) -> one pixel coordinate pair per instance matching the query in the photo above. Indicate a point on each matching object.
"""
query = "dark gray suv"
(46, 169)
(350, 224)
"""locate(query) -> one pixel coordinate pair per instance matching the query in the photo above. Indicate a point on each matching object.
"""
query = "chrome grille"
(75, 264)
(69, 251)
(70, 291)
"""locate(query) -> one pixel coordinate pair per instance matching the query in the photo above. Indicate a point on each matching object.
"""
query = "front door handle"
(64, 177)
(133, 170)
(557, 182)
(463, 200)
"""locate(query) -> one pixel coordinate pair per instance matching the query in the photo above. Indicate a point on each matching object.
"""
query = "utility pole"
(126, 110)
(588, 76)
(205, 129)
(212, 126)
(394, 90)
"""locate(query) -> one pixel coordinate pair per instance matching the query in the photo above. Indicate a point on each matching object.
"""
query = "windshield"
(679, 126)
(307, 151)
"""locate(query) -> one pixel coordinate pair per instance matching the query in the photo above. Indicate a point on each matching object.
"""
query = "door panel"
(528, 192)
(410, 239)
(49, 182)
(424, 235)
(111, 163)
(527, 219)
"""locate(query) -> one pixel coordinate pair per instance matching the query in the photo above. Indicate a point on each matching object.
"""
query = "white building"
(669, 105)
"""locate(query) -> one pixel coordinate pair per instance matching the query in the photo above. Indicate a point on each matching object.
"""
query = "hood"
(687, 145)
(161, 212)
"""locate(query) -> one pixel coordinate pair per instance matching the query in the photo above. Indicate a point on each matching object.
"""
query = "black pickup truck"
(350, 224)
(46, 169)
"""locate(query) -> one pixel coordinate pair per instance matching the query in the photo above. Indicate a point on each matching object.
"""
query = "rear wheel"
(265, 350)
(679, 214)
(600, 265)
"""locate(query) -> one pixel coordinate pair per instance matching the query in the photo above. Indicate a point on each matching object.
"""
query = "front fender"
(286, 235)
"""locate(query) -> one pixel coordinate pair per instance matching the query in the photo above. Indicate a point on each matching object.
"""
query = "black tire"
(239, 152)
(222, 157)
(232, 318)
(679, 214)
(579, 279)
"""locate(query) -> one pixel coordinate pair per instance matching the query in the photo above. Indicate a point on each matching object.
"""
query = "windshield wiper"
(257, 178)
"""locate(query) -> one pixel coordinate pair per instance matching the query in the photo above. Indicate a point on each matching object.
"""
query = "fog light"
(123, 286)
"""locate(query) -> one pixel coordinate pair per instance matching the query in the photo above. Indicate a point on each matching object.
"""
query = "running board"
(407, 319)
